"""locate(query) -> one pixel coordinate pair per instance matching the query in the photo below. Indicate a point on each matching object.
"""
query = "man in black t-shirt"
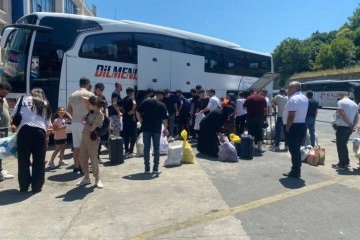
(172, 108)
(311, 117)
(128, 104)
(152, 113)
(114, 110)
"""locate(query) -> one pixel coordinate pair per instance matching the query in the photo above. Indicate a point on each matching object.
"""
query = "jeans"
(129, 135)
(171, 124)
(310, 125)
(295, 135)
(279, 128)
(342, 137)
(147, 136)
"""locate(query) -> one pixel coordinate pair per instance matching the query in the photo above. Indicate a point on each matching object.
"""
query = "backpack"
(101, 131)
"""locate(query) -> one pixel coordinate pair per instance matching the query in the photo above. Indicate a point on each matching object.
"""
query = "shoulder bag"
(17, 118)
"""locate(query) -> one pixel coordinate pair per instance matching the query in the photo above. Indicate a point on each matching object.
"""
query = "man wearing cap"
(152, 113)
(349, 117)
(295, 128)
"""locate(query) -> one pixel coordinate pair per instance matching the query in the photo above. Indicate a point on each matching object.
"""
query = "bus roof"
(331, 81)
(155, 29)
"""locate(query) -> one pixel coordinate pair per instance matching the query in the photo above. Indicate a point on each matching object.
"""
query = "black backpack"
(103, 130)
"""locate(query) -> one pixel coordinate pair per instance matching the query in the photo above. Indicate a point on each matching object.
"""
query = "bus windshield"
(16, 60)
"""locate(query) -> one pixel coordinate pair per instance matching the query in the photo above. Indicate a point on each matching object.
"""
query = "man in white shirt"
(349, 117)
(214, 102)
(295, 128)
(280, 102)
(241, 113)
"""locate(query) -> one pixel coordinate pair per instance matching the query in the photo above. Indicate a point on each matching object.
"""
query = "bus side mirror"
(5, 36)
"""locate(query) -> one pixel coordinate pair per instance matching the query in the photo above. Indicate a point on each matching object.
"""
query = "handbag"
(313, 158)
(321, 152)
(17, 118)
(316, 156)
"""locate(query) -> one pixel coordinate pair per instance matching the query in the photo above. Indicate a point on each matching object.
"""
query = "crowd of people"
(203, 115)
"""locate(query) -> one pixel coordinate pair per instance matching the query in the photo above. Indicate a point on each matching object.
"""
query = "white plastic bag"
(198, 119)
(140, 145)
(164, 144)
(305, 151)
(227, 152)
(8, 146)
(174, 156)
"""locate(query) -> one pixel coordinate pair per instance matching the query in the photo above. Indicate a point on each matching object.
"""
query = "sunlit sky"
(256, 25)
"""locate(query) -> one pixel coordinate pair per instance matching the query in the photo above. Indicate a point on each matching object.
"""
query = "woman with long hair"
(31, 139)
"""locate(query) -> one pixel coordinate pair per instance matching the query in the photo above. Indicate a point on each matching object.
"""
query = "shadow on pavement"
(206, 157)
(354, 171)
(292, 183)
(64, 177)
(142, 176)
(12, 196)
(77, 193)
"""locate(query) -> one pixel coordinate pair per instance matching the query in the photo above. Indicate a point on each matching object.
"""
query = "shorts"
(76, 131)
(255, 127)
(116, 122)
(60, 141)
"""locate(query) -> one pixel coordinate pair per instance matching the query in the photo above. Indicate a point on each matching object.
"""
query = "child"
(60, 135)
(90, 141)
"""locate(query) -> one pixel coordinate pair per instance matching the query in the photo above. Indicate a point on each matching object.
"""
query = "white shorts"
(76, 131)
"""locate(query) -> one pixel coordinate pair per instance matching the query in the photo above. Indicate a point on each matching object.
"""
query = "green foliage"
(335, 49)
(354, 20)
(325, 58)
(344, 52)
(290, 57)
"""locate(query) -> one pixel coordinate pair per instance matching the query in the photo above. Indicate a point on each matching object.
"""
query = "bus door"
(19, 64)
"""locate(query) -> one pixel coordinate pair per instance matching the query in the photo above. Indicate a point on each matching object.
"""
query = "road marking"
(235, 210)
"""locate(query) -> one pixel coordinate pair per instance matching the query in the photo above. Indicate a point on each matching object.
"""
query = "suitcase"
(247, 147)
(116, 150)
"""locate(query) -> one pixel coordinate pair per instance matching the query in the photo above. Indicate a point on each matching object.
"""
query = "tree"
(344, 52)
(354, 20)
(325, 58)
(290, 57)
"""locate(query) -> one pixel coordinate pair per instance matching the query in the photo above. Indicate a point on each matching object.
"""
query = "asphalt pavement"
(208, 200)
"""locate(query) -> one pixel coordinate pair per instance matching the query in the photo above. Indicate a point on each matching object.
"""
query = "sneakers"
(62, 163)
(84, 181)
(131, 155)
(51, 164)
(339, 167)
(5, 175)
(99, 184)
(147, 172)
(77, 170)
(275, 149)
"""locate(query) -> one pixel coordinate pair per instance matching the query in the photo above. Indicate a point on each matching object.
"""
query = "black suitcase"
(116, 150)
(247, 147)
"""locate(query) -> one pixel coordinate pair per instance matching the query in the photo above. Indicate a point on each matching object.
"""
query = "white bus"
(53, 51)
(326, 92)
